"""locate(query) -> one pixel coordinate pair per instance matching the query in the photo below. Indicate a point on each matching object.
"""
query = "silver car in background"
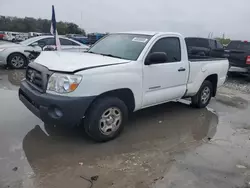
(14, 55)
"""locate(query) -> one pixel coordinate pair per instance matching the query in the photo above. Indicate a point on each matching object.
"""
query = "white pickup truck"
(122, 73)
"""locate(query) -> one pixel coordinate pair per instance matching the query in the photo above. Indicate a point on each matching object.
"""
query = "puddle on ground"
(223, 161)
(145, 148)
(173, 139)
(11, 79)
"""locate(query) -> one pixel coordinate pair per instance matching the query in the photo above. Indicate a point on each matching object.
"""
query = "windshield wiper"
(110, 55)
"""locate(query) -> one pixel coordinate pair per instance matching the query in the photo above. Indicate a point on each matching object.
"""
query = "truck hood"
(74, 61)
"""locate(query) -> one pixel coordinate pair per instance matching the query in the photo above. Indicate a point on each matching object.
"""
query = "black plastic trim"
(208, 59)
(43, 104)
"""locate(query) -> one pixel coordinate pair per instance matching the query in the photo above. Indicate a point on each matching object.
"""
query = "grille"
(37, 76)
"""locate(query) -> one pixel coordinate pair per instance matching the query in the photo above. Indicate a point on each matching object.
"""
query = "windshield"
(125, 46)
(238, 45)
(198, 42)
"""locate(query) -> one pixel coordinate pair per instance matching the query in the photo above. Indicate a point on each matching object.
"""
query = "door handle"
(181, 69)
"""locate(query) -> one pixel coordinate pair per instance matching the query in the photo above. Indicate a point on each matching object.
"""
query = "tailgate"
(237, 58)
(237, 52)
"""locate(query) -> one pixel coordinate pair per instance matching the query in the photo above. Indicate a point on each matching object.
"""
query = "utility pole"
(81, 20)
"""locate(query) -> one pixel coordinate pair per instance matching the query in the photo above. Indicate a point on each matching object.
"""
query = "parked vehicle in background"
(204, 47)
(10, 36)
(21, 37)
(122, 73)
(70, 35)
(2, 34)
(238, 54)
(14, 55)
(34, 34)
(80, 38)
(93, 37)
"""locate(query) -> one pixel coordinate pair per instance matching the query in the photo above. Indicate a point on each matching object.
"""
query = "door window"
(169, 45)
(46, 42)
(66, 42)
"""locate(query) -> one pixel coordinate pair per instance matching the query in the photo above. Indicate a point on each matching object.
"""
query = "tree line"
(224, 41)
(29, 24)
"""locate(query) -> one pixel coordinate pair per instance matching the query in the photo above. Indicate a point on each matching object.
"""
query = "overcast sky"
(189, 17)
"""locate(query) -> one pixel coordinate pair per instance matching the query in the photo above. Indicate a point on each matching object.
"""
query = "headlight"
(2, 49)
(63, 83)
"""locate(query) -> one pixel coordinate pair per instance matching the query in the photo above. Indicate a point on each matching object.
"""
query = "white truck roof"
(150, 33)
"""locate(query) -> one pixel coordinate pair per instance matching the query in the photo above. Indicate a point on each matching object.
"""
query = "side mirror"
(156, 57)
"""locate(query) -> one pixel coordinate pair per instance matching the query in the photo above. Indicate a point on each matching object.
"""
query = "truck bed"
(201, 68)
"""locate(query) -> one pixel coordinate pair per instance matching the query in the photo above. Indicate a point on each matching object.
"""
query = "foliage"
(28, 24)
(224, 41)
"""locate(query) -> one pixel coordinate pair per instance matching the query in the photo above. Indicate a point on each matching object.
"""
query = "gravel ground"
(238, 82)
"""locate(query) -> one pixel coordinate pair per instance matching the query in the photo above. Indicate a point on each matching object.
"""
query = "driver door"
(165, 81)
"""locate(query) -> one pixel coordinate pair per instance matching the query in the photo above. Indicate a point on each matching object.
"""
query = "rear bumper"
(239, 69)
(47, 106)
(239, 64)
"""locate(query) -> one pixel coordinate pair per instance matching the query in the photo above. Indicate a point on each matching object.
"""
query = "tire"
(199, 100)
(100, 116)
(17, 61)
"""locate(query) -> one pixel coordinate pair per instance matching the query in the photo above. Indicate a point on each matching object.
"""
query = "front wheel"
(202, 98)
(105, 119)
(17, 61)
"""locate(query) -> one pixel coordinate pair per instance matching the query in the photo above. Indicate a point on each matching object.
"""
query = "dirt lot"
(171, 145)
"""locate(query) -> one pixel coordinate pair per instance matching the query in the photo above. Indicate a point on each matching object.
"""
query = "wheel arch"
(124, 94)
(213, 78)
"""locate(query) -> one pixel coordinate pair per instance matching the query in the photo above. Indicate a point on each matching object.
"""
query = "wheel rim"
(205, 95)
(17, 61)
(110, 121)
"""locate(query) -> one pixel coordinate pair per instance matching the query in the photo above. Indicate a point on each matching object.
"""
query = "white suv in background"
(10, 36)
(14, 55)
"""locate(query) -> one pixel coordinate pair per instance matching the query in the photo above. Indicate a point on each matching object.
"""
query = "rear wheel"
(17, 61)
(105, 119)
(202, 98)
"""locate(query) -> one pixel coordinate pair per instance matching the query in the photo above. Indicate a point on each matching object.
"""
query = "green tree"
(29, 24)
(224, 41)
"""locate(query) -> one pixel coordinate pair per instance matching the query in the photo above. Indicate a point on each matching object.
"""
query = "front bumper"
(45, 105)
(3, 58)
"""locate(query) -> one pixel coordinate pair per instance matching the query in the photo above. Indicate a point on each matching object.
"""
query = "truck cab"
(121, 73)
